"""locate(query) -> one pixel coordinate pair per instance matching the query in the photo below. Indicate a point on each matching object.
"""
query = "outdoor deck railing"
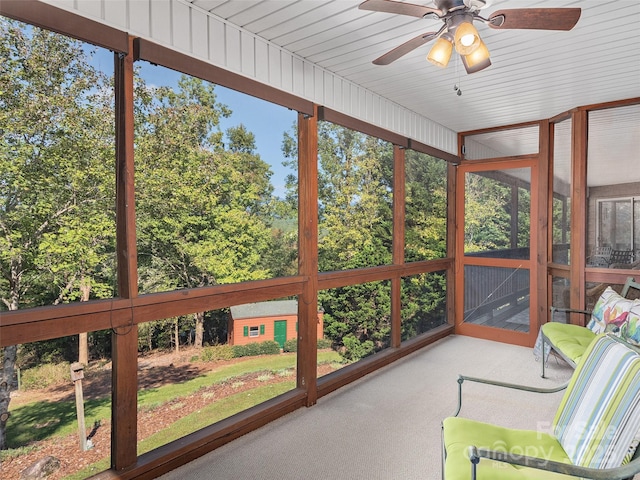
(493, 291)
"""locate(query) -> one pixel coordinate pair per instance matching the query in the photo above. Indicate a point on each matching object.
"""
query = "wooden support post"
(307, 363)
(124, 344)
(455, 305)
(398, 242)
(77, 374)
(577, 262)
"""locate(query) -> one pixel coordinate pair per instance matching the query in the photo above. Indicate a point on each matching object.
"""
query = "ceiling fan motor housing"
(447, 6)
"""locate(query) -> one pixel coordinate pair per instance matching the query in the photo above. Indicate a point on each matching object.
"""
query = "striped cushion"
(599, 415)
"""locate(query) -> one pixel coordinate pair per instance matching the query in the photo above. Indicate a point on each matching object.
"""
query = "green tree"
(486, 219)
(354, 191)
(423, 296)
(355, 228)
(425, 207)
(53, 160)
(201, 209)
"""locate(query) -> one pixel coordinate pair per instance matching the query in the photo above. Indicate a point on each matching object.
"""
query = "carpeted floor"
(387, 425)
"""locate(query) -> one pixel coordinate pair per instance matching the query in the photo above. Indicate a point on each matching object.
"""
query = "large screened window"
(613, 182)
(561, 206)
(502, 143)
(183, 388)
(425, 207)
(57, 241)
(357, 319)
(57, 170)
(497, 213)
(207, 210)
(355, 199)
(423, 303)
(617, 223)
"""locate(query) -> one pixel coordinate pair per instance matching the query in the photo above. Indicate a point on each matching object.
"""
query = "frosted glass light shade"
(467, 39)
(440, 53)
(477, 60)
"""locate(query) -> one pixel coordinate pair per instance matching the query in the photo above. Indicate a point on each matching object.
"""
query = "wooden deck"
(514, 317)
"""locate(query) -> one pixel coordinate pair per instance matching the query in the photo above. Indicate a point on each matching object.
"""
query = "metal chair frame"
(624, 472)
(629, 284)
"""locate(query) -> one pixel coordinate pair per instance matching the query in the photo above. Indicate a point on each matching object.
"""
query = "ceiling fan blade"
(536, 18)
(400, 8)
(405, 48)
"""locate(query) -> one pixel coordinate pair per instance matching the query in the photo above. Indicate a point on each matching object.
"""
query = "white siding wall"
(193, 31)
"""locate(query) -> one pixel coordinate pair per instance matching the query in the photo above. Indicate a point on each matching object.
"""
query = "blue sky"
(265, 120)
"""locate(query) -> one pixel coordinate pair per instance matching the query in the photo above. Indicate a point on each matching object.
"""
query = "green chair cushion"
(460, 433)
(571, 340)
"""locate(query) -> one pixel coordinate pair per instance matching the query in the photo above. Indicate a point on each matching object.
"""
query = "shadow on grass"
(40, 420)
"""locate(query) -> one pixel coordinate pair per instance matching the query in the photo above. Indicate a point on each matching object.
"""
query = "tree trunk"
(176, 331)
(83, 348)
(199, 317)
(83, 338)
(7, 384)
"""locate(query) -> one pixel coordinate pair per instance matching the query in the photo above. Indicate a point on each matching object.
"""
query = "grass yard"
(166, 412)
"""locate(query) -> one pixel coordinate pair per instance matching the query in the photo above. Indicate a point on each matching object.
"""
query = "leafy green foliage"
(56, 235)
(290, 345)
(425, 207)
(268, 347)
(354, 190)
(423, 303)
(56, 190)
(355, 349)
(200, 207)
(360, 315)
(486, 219)
(216, 352)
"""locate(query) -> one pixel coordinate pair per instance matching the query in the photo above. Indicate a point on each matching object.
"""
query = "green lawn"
(41, 420)
(214, 412)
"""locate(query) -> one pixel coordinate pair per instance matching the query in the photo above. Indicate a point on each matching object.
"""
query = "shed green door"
(280, 332)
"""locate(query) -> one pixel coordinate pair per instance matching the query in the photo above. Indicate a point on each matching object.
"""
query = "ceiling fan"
(458, 31)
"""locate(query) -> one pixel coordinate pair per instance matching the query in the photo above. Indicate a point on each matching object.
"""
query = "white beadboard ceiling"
(534, 74)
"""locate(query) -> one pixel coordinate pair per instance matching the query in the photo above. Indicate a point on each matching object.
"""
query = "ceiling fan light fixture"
(467, 38)
(440, 53)
(478, 60)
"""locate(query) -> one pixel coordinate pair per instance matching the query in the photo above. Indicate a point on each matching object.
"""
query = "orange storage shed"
(258, 322)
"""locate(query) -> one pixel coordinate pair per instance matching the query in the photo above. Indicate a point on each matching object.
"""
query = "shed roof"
(265, 309)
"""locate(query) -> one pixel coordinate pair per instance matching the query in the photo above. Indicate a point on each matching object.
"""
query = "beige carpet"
(387, 425)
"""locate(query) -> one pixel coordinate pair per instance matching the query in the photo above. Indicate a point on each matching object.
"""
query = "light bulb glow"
(467, 39)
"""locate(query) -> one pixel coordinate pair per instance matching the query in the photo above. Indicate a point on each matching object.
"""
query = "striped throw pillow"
(599, 416)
